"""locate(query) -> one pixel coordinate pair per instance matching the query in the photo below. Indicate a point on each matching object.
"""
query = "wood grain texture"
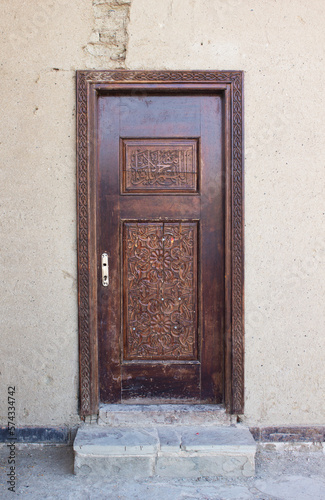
(155, 280)
(230, 82)
(139, 385)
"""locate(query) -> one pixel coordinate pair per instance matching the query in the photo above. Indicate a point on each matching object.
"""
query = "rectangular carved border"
(229, 82)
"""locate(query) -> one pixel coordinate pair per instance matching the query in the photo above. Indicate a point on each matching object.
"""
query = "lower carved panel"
(160, 290)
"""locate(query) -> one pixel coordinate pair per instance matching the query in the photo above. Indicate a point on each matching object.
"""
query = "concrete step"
(166, 451)
(123, 415)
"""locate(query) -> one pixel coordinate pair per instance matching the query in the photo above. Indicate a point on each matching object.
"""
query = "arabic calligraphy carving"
(160, 165)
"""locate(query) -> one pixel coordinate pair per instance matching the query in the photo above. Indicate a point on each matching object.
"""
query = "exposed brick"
(108, 38)
(108, 41)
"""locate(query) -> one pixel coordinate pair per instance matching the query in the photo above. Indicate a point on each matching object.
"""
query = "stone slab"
(205, 466)
(217, 439)
(95, 440)
(123, 415)
(112, 467)
(170, 439)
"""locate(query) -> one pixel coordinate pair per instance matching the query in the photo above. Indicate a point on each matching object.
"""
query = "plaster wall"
(280, 46)
(42, 44)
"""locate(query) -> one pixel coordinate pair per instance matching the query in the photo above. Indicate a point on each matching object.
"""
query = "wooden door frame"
(90, 84)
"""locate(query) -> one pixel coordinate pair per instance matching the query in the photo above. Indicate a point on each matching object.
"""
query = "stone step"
(123, 415)
(166, 451)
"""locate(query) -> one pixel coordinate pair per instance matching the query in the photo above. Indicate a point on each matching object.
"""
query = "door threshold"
(126, 415)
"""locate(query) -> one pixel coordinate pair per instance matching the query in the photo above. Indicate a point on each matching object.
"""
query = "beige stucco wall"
(39, 353)
(280, 46)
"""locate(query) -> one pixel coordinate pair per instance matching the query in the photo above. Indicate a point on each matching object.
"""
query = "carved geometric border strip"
(83, 250)
(237, 250)
(234, 80)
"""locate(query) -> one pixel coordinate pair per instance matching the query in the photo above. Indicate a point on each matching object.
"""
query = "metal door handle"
(105, 269)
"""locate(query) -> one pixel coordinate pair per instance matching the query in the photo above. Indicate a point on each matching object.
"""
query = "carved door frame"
(230, 85)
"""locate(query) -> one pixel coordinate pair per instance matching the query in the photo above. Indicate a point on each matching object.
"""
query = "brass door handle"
(105, 269)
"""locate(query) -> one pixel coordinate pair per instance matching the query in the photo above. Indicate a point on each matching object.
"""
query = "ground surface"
(46, 472)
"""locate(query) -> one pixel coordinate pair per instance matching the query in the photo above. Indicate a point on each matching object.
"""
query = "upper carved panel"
(160, 290)
(159, 165)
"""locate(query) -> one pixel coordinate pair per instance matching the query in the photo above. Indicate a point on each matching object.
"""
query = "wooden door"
(161, 220)
(160, 189)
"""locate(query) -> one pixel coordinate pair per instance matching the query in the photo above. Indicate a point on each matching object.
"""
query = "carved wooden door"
(160, 219)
